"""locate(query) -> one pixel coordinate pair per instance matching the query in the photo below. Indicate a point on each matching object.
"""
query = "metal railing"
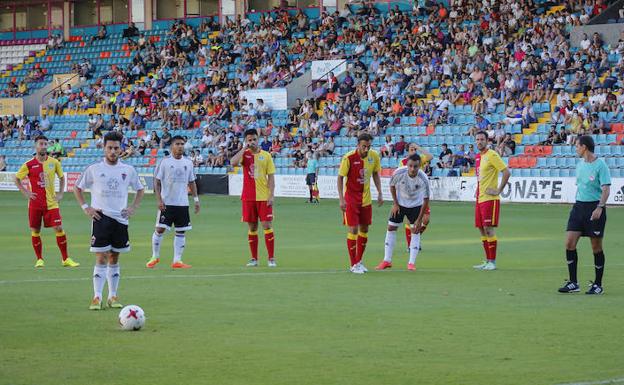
(324, 75)
(56, 88)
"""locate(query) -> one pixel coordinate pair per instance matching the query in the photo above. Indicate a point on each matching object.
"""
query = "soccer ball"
(131, 317)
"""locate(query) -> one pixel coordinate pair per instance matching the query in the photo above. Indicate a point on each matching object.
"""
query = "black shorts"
(109, 235)
(177, 216)
(310, 179)
(410, 212)
(580, 220)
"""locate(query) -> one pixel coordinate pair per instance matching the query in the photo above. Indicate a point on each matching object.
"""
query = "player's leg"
(120, 242)
(414, 249)
(395, 220)
(492, 243)
(366, 216)
(574, 230)
(599, 263)
(163, 223)
(596, 233)
(35, 217)
(571, 286)
(265, 213)
(112, 276)
(351, 218)
(182, 222)
(250, 216)
(99, 278)
(408, 235)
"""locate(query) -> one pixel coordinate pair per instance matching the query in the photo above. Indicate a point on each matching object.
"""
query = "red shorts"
(50, 217)
(254, 210)
(487, 213)
(358, 215)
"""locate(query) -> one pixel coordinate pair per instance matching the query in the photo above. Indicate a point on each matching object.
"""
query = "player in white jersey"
(410, 191)
(109, 181)
(173, 178)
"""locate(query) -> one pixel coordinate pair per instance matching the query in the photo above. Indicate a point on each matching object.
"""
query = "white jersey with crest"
(174, 176)
(411, 192)
(109, 186)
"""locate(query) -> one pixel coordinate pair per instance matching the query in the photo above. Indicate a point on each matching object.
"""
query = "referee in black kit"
(589, 214)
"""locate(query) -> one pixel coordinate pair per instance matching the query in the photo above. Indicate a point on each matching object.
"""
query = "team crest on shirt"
(51, 166)
(261, 157)
(123, 176)
(102, 175)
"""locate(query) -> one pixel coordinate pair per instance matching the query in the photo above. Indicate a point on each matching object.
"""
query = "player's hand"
(596, 214)
(196, 207)
(492, 191)
(343, 205)
(161, 206)
(59, 196)
(93, 213)
(379, 200)
(270, 201)
(128, 212)
(30, 195)
(395, 209)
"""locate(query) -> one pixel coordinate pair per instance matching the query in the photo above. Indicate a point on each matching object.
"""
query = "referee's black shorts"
(580, 220)
(109, 235)
(411, 213)
(310, 179)
(177, 216)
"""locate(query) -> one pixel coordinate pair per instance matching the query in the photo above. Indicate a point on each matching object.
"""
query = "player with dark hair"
(257, 195)
(109, 181)
(588, 216)
(43, 201)
(488, 165)
(173, 177)
(410, 191)
(356, 169)
(425, 157)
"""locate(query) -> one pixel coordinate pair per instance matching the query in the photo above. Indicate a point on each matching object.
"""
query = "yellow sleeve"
(270, 164)
(59, 169)
(376, 162)
(497, 162)
(344, 166)
(22, 172)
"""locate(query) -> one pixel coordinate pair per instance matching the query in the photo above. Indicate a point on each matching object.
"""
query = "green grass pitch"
(309, 321)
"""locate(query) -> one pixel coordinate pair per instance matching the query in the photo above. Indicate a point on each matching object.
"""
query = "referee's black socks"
(599, 262)
(572, 259)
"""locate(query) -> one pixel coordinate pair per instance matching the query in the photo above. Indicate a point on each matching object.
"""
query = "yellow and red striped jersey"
(487, 167)
(256, 168)
(42, 177)
(358, 171)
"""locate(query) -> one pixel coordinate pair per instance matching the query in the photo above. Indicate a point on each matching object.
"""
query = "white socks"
(99, 277)
(178, 246)
(414, 248)
(156, 241)
(389, 246)
(112, 277)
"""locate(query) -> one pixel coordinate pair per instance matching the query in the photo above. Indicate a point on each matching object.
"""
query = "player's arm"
(605, 181)
(377, 181)
(498, 163)
(157, 192)
(21, 174)
(271, 185)
(236, 159)
(27, 193)
(88, 210)
(140, 191)
(59, 194)
(193, 187)
(504, 180)
(61, 176)
(425, 205)
(395, 201)
(427, 155)
(340, 187)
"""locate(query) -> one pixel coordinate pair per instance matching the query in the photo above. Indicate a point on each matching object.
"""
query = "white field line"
(613, 381)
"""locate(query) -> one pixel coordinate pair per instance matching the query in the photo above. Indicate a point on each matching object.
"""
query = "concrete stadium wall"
(610, 33)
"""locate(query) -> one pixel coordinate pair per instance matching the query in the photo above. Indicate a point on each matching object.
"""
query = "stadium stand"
(431, 75)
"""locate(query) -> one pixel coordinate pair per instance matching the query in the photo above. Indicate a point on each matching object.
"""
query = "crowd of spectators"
(491, 55)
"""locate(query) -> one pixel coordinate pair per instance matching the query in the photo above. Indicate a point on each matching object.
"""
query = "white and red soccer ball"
(131, 317)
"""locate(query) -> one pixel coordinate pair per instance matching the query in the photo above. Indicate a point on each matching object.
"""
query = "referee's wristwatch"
(84, 206)
(601, 206)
